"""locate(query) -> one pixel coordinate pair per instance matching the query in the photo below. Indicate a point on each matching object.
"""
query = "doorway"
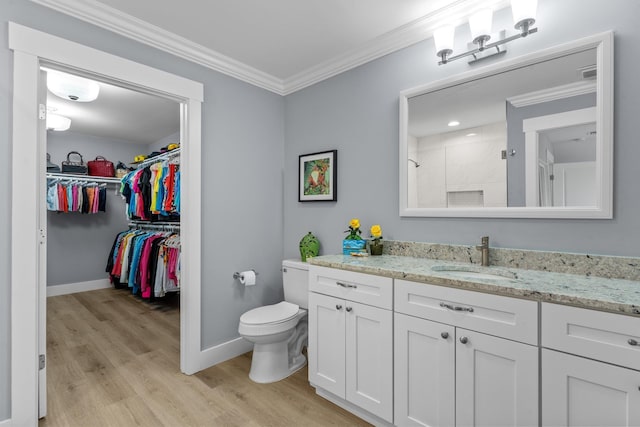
(30, 49)
(89, 119)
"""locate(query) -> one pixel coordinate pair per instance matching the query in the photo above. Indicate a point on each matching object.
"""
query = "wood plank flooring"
(113, 360)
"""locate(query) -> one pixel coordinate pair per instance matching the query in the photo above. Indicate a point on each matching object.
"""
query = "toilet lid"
(270, 313)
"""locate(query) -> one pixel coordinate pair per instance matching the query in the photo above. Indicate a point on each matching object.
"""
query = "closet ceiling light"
(57, 122)
(72, 87)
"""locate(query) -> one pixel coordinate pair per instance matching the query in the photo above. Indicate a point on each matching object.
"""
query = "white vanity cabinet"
(350, 346)
(464, 358)
(590, 367)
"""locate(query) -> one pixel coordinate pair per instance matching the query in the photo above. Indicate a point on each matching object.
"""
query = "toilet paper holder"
(237, 275)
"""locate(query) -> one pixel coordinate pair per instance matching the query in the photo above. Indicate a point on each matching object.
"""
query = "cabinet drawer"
(506, 317)
(608, 337)
(358, 287)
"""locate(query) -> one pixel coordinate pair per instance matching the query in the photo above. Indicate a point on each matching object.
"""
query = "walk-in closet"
(112, 239)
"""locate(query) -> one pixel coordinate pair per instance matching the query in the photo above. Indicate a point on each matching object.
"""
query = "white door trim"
(533, 126)
(30, 47)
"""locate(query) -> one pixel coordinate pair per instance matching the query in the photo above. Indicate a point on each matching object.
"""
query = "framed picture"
(317, 177)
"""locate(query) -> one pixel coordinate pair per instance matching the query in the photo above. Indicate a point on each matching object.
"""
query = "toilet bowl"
(279, 331)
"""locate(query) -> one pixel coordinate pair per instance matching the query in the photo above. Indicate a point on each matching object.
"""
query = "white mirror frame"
(603, 43)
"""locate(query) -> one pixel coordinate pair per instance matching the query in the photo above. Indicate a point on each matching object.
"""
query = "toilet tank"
(295, 280)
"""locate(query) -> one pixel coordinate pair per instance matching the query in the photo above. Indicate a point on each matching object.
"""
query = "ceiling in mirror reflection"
(478, 102)
(534, 140)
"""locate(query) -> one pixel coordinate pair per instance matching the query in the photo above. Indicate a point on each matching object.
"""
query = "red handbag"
(101, 167)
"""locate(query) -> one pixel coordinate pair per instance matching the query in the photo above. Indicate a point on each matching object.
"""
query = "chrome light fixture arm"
(445, 58)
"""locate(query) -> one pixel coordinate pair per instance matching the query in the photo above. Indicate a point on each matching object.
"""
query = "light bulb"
(57, 122)
(524, 14)
(480, 25)
(443, 38)
(72, 87)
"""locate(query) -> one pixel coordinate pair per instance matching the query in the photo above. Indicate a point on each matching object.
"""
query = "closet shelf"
(155, 159)
(84, 178)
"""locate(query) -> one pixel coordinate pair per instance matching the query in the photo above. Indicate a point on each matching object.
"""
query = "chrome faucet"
(484, 247)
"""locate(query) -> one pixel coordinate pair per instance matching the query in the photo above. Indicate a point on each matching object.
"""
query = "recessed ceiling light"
(453, 123)
(471, 134)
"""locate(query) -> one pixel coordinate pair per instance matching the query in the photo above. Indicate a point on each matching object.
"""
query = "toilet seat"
(270, 319)
(275, 313)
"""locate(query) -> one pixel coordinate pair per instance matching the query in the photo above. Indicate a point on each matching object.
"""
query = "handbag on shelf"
(52, 167)
(121, 170)
(75, 167)
(101, 167)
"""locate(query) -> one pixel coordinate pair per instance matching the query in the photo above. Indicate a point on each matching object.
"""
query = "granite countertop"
(587, 291)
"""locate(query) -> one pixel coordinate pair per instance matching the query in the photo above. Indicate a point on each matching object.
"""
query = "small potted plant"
(375, 245)
(353, 242)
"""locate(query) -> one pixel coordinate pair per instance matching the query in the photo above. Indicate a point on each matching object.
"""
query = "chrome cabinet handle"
(456, 307)
(445, 335)
(632, 342)
(464, 340)
(338, 307)
(349, 309)
(346, 285)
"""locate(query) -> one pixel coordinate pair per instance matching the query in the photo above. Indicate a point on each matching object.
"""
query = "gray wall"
(515, 138)
(78, 244)
(242, 165)
(169, 139)
(357, 113)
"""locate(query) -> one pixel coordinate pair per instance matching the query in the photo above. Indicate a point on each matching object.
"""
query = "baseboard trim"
(72, 288)
(222, 352)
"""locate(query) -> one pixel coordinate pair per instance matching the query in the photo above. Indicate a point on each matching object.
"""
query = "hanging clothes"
(74, 196)
(146, 261)
(152, 193)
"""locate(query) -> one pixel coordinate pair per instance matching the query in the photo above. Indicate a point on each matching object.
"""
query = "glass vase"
(375, 247)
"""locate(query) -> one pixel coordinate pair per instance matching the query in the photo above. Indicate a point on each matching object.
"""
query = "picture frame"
(318, 177)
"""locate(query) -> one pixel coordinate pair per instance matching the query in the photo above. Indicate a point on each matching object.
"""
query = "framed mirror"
(530, 137)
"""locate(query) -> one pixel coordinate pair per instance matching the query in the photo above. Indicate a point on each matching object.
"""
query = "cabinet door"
(369, 358)
(496, 381)
(584, 392)
(326, 343)
(424, 372)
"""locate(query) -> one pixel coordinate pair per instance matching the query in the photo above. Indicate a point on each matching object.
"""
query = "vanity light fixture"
(58, 122)
(72, 87)
(524, 16)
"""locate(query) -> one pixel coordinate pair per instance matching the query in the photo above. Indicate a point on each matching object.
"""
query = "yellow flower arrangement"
(354, 230)
(376, 232)
(375, 246)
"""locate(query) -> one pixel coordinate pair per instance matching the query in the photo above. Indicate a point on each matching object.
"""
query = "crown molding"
(553, 93)
(421, 29)
(111, 19)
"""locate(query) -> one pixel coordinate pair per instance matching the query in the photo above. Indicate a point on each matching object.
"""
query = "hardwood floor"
(113, 360)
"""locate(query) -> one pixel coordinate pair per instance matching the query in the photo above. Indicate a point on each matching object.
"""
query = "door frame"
(532, 128)
(30, 47)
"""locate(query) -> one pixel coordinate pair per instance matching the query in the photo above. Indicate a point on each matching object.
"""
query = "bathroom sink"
(475, 272)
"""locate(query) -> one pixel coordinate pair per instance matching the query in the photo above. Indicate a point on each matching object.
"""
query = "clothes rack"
(146, 260)
(86, 178)
(159, 158)
(159, 225)
(72, 195)
(152, 191)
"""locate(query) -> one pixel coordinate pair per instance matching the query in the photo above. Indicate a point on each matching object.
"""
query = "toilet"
(279, 331)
